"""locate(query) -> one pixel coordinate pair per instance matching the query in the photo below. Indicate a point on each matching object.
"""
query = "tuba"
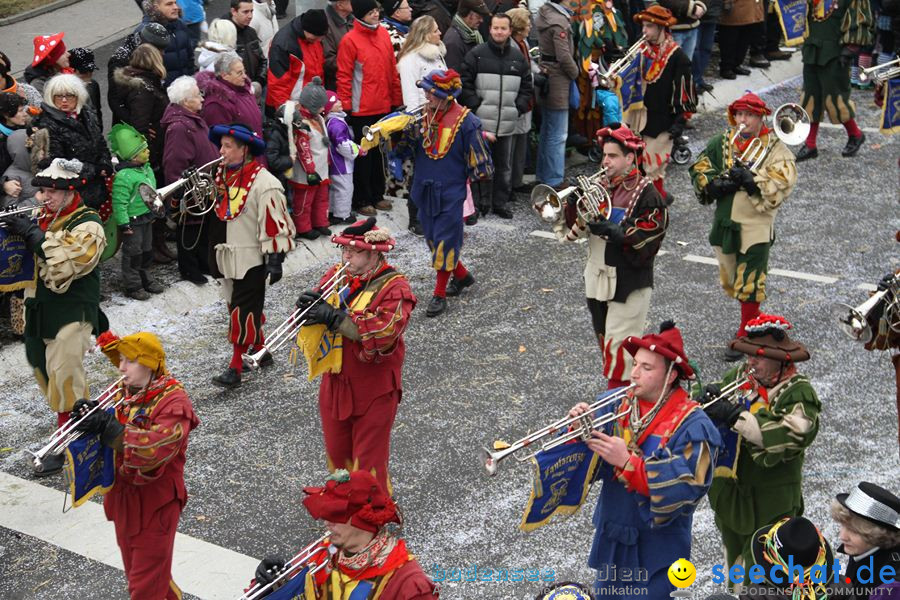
(199, 194)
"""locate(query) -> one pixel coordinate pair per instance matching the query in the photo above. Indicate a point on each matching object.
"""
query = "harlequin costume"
(669, 97)
(673, 446)
(758, 477)
(743, 229)
(252, 231)
(384, 569)
(835, 29)
(146, 501)
(618, 275)
(447, 150)
(362, 368)
(62, 310)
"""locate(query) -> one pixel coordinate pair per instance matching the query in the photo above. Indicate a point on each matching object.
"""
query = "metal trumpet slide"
(291, 569)
(586, 424)
(608, 78)
(199, 194)
(855, 321)
(67, 433)
(881, 73)
(288, 329)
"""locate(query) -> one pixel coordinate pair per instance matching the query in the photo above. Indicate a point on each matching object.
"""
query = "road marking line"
(783, 272)
(547, 235)
(199, 568)
(869, 287)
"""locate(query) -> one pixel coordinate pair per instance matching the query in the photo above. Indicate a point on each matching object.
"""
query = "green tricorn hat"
(125, 141)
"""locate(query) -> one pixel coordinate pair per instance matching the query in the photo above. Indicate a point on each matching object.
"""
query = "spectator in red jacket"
(295, 57)
(368, 87)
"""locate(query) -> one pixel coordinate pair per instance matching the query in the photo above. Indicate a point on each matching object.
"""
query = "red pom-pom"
(106, 338)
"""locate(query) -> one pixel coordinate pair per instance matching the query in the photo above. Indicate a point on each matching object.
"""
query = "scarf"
(658, 57)
(383, 554)
(46, 220)
(398, 25)
(469, 36)
(359, 282)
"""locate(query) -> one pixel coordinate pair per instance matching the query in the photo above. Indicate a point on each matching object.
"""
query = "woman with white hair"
(74, 133)
(187, 145)
(229, 95)
(221, 37)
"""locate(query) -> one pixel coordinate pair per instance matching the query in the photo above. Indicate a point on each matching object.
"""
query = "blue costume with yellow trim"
(645, 511)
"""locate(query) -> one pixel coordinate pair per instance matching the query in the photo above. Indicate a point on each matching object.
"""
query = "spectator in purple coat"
(229, 96)
(187, 145)
(342, 152)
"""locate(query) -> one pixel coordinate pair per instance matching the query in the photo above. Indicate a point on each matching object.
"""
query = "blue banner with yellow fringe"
(630, 89)
(562, 479)
(16, 263)
(295, 588)
(792, 16)
(890, 112)
(90, 469)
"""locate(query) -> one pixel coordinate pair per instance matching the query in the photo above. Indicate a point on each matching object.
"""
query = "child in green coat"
(132, 216)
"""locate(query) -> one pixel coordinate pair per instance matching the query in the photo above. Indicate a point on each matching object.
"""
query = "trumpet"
(859, 322)
(730, 388)
(293, 568)
(18, 211)
(585, 424)
(791, 125)
(590, 198)
(199, 194)
(607, 79)
(68, 433)
(289, 328)
(881, 73)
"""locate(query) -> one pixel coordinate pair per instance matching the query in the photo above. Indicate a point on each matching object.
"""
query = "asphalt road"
(512, 354)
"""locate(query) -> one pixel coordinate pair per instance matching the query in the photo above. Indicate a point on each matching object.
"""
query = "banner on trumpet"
(294, 588)
(322, 349)
(562, 479)
(16, 263)
(90, 469)
(631, 88)
(792, 16)
(890, 112)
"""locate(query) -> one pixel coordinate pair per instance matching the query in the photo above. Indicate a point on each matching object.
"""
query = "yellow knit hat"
(143, 347)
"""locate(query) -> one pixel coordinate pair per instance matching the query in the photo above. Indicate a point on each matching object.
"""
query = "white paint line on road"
(706, 260)
(199, 568)
(547, 235)
(869, 287)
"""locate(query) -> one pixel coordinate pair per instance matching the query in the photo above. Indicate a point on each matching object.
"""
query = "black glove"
(720, 187)
(724, 412)
(677, 128)
(268, 569)
(885, 282)
(98, 422)
(325, 314)
(23, 226)
(307, 298)
(608, 229)
(744, 178)
(273, 267)
(709, 392)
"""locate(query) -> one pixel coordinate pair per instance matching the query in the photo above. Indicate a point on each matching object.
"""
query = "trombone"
(67, 433)
(292, 568)
(881, 73)
(289, 328)
(608, 78)
(585, 424)
(199, 194)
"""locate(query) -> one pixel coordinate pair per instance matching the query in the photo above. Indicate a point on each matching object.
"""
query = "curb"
(726, 91)
(36, 12)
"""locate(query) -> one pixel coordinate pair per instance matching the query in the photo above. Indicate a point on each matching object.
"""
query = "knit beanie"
(390, 6)
(362, 7)
(313, 96)
(314, 22)
(330, 100)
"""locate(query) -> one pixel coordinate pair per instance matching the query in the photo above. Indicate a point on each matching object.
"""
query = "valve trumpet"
(289, 328)
(607, 79)
(585, 424)
(199, 194)
(68, 433)
(790, 122)
(293, 568)
(18, 211)
(881, 73)
(858, 323)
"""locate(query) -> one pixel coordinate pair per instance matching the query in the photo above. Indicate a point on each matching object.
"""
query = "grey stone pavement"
(512, 354)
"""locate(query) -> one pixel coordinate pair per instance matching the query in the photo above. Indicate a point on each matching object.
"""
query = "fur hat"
(143, 347)
(365, 235)
(766, 335)
(656, 14)
(48, 49)
(314, 22)
(356, 497)
(667, 343)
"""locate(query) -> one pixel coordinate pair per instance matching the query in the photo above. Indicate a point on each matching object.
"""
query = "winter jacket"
(19, 167)
(338, 27)
(496, 84)
(368, 83)
(144, 102)
(523, 124)
(713, 11)
(457, 48)
(83, 139)
(441, 11)
(251, 52)
(178, 56)
(38, 76)
(397, 31)
(192, 11)
(264, 22)
(416, 65)
(742, 12)
(187, 142)
(278, 153)
(93, 90)
(293, 62)
(681, 10)
(554, 26)
(208, 52)
(126, 201)
(341, 150)
(225, 103)
(120, 58)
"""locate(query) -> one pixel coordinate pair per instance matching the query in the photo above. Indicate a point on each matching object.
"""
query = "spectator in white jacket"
(422, 52)
(264, 22)
(221, 37)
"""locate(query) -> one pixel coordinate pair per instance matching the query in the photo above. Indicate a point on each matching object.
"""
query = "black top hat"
(874, 504)
(793, 537)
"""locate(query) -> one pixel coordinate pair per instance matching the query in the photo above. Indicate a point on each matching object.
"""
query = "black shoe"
(51, 464)
(727, 74)
(228, 378)
(138, 294)
(472, 219)
(778, 55)
(436, 306)
(806, 153)
(525, 188)
(154, 287)
(312, 234)
(455, 287)
(741, 70)
(705, 87)
(503, 213)
(195, 278)
(759, 61)
(323, 230)
(853, 145)
(732, 355)
(416, 229)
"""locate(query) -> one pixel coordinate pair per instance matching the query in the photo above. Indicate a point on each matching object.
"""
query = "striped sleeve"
(783, 431)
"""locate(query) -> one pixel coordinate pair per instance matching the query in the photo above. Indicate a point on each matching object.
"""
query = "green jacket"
(850, 23)
(126, 201)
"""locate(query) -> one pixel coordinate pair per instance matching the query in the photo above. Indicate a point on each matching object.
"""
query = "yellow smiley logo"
(682, 573)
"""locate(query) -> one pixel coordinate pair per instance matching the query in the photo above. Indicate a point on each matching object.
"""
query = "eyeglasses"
(65, 96)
